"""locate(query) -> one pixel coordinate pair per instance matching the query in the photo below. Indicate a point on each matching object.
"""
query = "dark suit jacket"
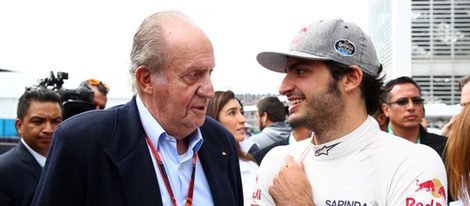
(437, 142)
(101, 158)
(19, 176)
(259, 155)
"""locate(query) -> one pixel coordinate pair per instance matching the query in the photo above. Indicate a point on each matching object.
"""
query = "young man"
(404, 108)
(271, 120)
(158, 149)
(332, 83)
(38, 114)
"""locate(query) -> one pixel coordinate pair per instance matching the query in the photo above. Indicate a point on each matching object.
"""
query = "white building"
(426, 39)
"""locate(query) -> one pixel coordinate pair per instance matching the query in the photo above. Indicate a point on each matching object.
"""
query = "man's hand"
(291, 186)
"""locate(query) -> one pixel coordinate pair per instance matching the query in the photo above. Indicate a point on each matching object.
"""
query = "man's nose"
(206, 89)
(48, 128)
(286, 86)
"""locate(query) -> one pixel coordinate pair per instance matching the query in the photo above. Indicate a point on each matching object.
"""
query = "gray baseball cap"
(329, 39)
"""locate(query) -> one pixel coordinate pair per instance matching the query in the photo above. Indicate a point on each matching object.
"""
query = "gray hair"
(149, 47)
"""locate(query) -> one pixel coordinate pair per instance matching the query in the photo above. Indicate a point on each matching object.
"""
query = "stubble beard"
(324, 111)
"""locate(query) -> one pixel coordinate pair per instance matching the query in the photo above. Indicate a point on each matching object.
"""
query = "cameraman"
(38, 114)
(100, 90)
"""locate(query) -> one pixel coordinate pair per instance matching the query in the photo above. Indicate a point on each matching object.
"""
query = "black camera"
(74, 101)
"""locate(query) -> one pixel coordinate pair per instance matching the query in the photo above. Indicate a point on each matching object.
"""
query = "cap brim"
(276, 61)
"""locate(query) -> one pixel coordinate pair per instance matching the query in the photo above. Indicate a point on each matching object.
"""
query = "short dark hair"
(400, 80)
(273, 107)
(217, 102)
(371, 86)
(463, 81)
(35, 94)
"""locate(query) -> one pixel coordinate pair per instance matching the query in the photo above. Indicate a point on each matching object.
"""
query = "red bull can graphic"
(434, 187)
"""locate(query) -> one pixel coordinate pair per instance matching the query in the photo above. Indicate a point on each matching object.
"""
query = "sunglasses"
(405, 101)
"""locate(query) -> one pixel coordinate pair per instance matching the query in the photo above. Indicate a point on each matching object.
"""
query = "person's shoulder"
(213, 125)
(90, 120)
(437, 138)
(388, 146)
(214, 131)
(9, 159)
(6, 157)
(259, 136)
(278, 153)
(91, 117)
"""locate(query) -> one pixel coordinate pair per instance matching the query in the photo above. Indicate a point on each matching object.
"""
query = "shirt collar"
(155, 131)
(292, 138)
(347, 144)
(39, 158)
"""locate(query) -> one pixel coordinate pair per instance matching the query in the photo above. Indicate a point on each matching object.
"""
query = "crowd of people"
(345, 138)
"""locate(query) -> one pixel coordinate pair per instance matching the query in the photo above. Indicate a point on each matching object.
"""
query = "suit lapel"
(128, 151)
(213, 156)
(213, 166)
(28, 161)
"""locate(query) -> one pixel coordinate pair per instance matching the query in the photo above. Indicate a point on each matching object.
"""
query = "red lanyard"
(189, 199)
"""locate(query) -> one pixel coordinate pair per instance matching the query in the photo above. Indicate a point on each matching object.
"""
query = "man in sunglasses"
(100, 92)
(404, 107)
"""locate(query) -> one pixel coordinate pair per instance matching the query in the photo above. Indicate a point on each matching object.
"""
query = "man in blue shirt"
(158, 149)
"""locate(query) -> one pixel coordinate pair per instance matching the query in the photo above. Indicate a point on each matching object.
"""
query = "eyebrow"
(295, 65)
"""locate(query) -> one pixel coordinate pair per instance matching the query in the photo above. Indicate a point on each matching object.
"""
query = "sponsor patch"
(345, 47)
(433, 187)
(299, 36)
(324, 150)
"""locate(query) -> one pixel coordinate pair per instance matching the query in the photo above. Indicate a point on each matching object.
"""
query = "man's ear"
(386, 109)
(353, 79)
(19, 127)
(264, 117)
(143, 77)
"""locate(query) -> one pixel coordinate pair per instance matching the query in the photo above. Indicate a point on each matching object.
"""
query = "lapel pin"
(224, 153)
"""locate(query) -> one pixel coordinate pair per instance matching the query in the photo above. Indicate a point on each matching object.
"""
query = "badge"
(345, 47)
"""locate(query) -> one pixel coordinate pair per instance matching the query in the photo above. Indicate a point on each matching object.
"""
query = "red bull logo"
(427, 185)
(434, 187)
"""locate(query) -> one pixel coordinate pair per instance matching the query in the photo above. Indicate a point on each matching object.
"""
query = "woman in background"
(458, 158)
(228, 110)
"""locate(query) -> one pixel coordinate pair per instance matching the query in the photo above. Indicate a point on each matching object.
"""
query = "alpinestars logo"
(324, 150)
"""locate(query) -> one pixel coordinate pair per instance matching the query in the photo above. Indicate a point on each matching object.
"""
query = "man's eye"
(299, 71)
(194, 75)
(402, 101)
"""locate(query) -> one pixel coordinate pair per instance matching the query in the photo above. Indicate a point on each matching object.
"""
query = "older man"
(158, 149)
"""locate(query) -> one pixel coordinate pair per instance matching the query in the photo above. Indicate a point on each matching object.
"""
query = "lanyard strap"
(161, 167)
